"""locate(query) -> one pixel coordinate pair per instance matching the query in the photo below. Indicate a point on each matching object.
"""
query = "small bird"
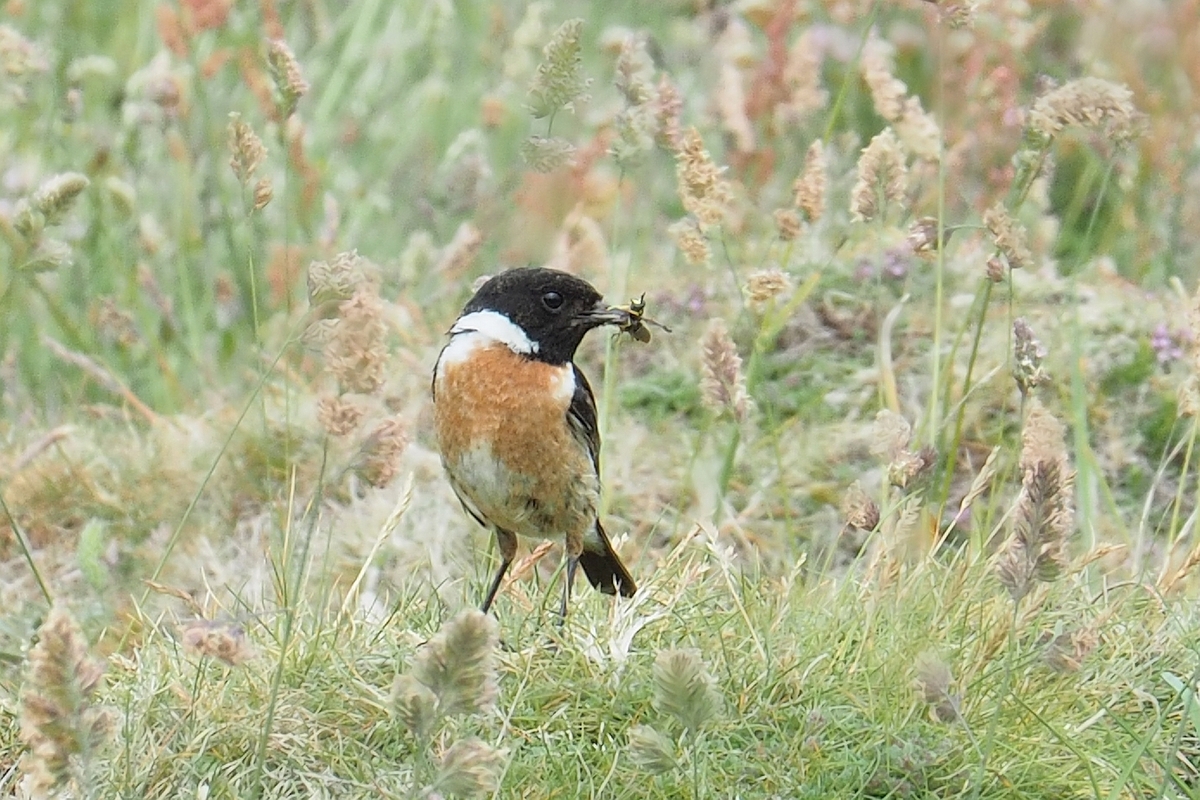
(516, 421)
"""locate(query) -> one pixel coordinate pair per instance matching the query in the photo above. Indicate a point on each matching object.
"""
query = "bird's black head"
(553, 308)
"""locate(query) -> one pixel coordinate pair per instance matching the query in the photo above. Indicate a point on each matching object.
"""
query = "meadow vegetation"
(910, 487)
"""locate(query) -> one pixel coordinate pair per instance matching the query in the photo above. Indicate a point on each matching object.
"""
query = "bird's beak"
(603, 314)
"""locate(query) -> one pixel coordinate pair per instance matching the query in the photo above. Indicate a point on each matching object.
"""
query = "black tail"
(604, 569)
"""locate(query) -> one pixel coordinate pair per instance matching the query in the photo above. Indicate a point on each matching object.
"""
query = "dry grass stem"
(105, 378)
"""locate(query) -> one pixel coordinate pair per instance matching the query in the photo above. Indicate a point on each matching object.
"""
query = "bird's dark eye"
(552, 300)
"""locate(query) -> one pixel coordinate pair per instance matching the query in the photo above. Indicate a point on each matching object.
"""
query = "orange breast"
(501, 424)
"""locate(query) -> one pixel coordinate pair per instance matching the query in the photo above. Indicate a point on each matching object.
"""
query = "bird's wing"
(581, 415)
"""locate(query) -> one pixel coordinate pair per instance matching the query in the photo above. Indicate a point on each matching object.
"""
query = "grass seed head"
(59, 726)
(684, 690)
(1193, 327)
(285, 71)
(723, 386)
(547, 153)
(934, 680)
(787, 224)
(808, 190)
(356, 353)
(378, 459)
(890, 435)
(1009, 235)
(224, 641)
(245, 147)
(651, 750)
(636, 127)
(18, 55)
(559, 80)
(1028, 355)
(1066, 652)
(54, 198)
(668, 108)
(415, 704)
(882, 178)
(802, 79)
(338, 279)
(49, 254)
(765, 286)
(858, 509)
(958, 15)
(339, 416)
(114, 324)
(918, 130)
(701, 188)
(995, 269)
(458, 664)
(691, 241)
(580, 245)
(635, 71)
(887, 91)
(470, 768)
(1101, 106)
(457, 256)
(923, 236)
(730, 101)
(264, 191)
(1044, 517)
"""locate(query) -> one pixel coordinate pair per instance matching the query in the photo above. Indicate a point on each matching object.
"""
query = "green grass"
(817, 684)
(166, 472)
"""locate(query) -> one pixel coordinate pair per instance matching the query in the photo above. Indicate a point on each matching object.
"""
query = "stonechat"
(516, 422)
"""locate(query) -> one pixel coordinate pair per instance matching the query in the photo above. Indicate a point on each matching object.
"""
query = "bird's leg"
(572, 565)
(508, 551)
(491, 595)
